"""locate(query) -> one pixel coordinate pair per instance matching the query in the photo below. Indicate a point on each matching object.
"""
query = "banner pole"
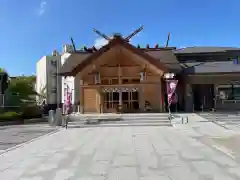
(169, 113)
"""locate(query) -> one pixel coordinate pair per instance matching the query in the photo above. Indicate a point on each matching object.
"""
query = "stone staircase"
(229, 120)
(115, 120)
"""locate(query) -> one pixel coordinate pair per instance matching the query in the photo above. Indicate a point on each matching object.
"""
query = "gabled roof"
(73, 69)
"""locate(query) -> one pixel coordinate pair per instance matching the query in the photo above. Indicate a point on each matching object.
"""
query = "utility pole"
(57, 88)
(57, 59)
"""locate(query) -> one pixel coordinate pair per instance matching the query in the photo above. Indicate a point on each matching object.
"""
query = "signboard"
(222, 95)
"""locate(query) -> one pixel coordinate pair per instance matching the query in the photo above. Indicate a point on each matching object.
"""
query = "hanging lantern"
(97, 78)
(142, 75)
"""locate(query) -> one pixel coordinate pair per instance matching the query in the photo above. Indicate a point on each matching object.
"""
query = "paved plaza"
(126, 153)
(229, 120)
(11, 136)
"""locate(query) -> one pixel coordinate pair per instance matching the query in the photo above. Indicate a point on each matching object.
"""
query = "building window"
(111, 99)
(54, 74)
(114, 81)
(236, 92)
(105, 82)
(97, 78)
(235, 60)
(135, 81)
(142, 75)
(54, 63)
(125, 81)
(229, 92)
(54, 90)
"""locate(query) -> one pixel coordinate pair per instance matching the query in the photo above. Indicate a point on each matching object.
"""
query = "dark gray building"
(3, 86)
(210, 78)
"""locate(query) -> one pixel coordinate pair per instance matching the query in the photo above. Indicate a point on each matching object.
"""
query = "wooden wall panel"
(152, 92)
(90, 100)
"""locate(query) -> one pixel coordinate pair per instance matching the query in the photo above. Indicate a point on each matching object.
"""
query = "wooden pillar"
(119, 83)
(98, 100)
(160, 96)
(141, 97)
(101, 100)
(81, 96)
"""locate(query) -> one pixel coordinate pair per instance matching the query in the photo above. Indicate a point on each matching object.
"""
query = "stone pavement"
(13, 135)
(120, 153)
(229, 120)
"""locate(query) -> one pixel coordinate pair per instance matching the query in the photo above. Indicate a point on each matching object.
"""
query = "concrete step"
(222, 118)
(123, 121)
(120, 121)
(117, 125)
(213, 116)
(165, 120)
(112, 120)
(120, 117)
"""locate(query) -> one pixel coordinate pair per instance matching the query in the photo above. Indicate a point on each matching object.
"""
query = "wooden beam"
(121, 85)
(112, 66)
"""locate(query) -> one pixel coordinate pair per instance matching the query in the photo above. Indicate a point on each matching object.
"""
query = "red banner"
(68, 100)
(171, 87)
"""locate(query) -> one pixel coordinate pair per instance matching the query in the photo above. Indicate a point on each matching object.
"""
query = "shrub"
(9, 116)
(31, 112)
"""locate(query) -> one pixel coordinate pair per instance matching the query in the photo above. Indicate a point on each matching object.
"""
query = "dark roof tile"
(72, 61)
(167, 57)
(204, 49)
(212, 67)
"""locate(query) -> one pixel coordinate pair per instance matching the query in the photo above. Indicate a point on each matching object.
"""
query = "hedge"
(10, 116)
(27, 113)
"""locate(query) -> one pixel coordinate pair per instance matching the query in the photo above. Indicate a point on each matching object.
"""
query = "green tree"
(21, 91)
(43, 94)
(2, 70)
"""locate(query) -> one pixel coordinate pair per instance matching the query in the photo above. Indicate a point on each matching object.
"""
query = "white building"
(71, 84)
(47, 79)
(48, 83)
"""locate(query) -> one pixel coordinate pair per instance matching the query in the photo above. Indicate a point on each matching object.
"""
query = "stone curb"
(26, 121)
(28, 142)
(221, 125)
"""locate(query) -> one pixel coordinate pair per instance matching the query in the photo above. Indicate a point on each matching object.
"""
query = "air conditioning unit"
(67, 48)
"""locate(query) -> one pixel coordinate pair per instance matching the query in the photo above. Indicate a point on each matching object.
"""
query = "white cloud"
(42, 8)
(100, 42)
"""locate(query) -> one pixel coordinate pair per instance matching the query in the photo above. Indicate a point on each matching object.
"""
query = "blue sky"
(31, 29)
